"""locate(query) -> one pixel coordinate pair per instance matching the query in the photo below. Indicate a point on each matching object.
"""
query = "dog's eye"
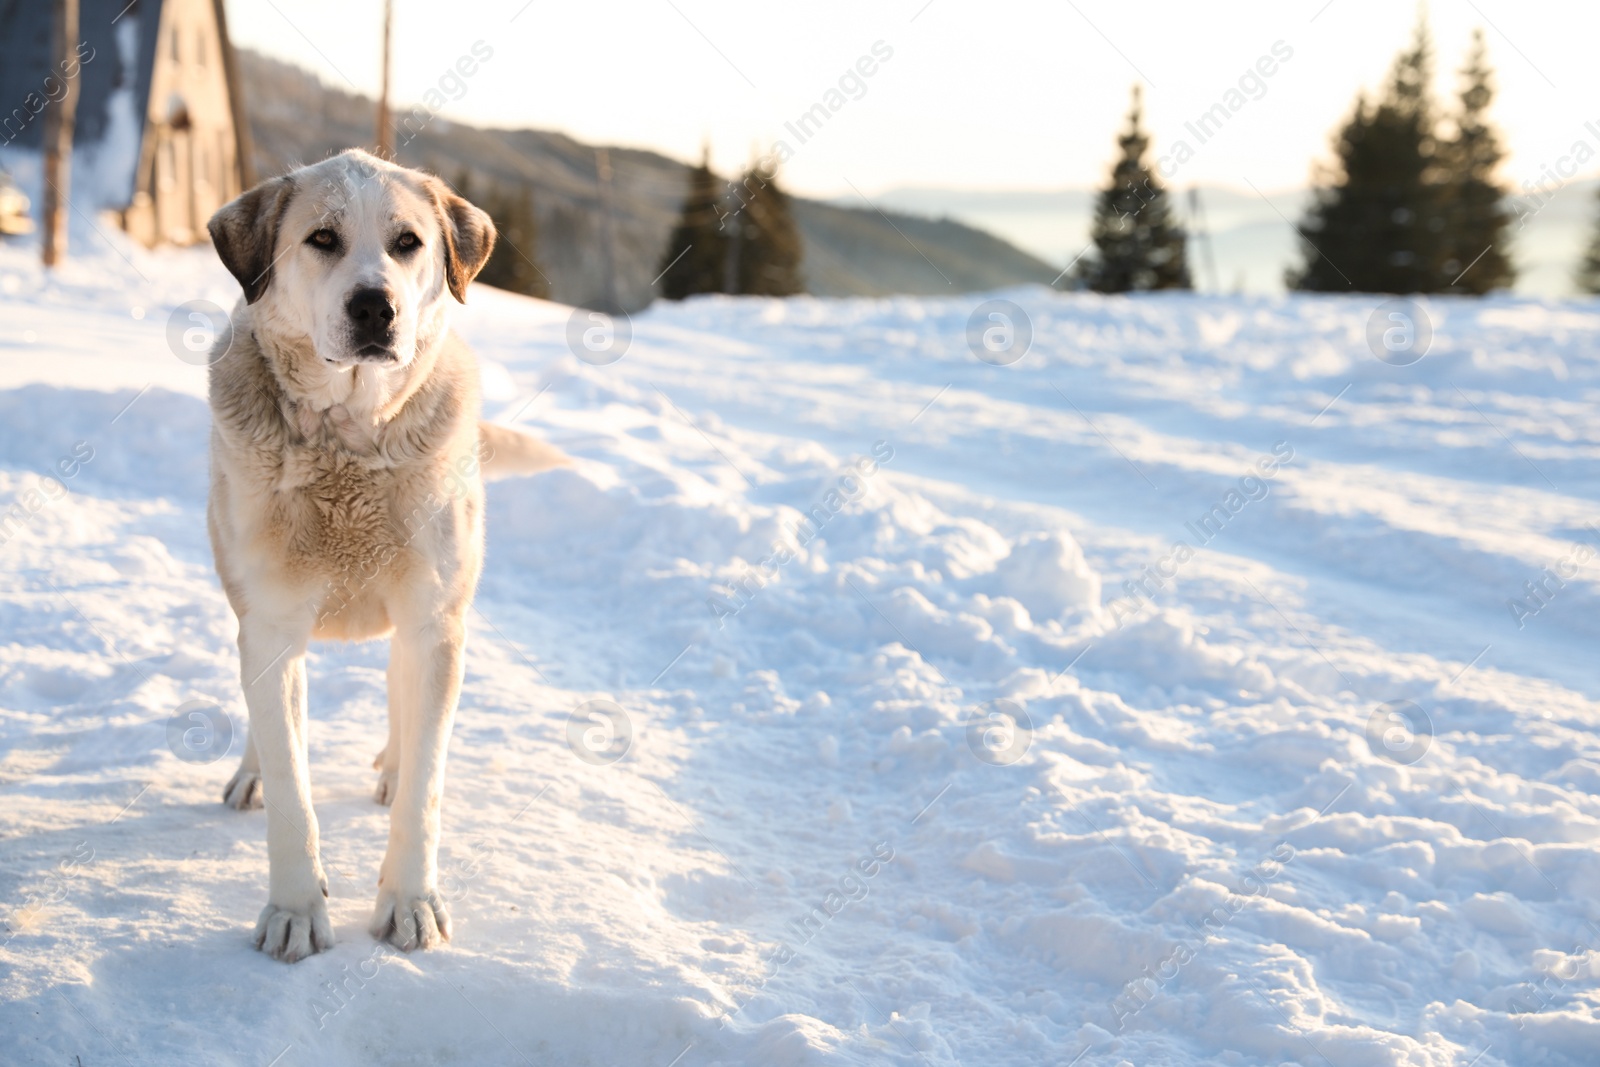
(325, 239)
(406, 242)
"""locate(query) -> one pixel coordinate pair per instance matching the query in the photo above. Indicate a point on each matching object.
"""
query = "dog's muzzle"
(371, 313)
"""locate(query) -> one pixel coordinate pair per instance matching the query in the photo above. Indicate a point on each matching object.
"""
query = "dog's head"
(354, 254)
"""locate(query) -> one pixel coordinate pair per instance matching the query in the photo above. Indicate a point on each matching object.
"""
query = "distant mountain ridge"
(851, 250)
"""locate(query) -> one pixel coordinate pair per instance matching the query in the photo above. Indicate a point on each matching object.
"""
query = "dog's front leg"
(426, 661)
(294, 924)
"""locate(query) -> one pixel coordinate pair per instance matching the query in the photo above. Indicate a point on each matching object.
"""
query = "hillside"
(850, 251)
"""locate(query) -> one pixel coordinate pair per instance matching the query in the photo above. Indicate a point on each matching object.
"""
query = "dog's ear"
(469, 235)
(245, 232)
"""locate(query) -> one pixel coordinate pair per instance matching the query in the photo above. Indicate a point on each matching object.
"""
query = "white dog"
(347, 462)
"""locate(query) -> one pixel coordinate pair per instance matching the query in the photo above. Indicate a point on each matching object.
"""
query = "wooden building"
(161, 140)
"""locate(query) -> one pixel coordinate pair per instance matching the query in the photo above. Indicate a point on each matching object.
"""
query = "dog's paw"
(388, 785)
(243, 790)
(290, 934)
(410, 920)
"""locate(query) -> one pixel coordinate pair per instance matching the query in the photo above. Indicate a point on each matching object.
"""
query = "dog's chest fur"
(337, 510)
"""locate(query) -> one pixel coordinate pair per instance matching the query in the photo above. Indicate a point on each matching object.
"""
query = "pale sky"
(999, 94)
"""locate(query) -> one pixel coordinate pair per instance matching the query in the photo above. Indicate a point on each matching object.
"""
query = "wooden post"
(58, 127)
(730, 260)
(608, 239)
(1197, 220)
(385, 137)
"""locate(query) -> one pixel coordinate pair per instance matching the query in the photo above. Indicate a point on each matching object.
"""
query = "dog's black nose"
(372, 310)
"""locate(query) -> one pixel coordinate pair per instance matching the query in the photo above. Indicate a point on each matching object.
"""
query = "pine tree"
(1138, 244)
(692, 262)
(1477, 256)
(1379, 226)
(514, 263)
(1589, 270)
(764, 241)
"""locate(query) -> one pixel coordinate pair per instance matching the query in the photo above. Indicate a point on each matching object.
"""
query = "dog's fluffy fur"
(347, 462)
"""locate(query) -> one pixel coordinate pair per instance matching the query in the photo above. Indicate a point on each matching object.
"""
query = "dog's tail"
(507, 453)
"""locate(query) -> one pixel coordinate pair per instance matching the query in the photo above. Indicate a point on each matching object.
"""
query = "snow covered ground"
(1158, 698)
